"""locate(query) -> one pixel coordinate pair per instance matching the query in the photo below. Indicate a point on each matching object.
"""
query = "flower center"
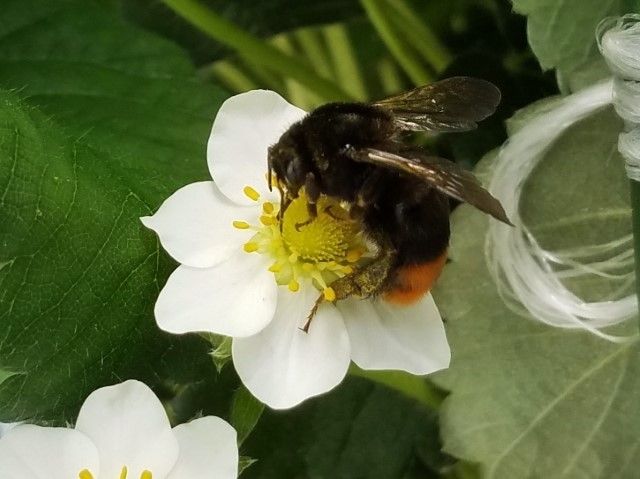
(322, 249)
(86, 474)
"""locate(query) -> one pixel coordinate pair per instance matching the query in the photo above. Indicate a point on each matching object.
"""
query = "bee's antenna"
(269, 171)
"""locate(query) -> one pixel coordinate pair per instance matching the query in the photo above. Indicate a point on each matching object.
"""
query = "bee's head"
(287, 166)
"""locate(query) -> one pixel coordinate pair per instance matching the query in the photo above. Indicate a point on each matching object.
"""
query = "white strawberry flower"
(243, 276)
(5, 427)
(122, 432)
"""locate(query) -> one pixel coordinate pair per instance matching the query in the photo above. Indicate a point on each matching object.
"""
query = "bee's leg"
(329, 210)
(365, 282)
(312, 190)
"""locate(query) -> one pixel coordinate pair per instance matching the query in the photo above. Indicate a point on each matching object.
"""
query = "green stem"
(346, 65)
(297, 93)
(389, 76)
(310, 40)
(229, 75)
(419, 35)
(379, 17)
(414, 387)
(253, 49)
(263, 76)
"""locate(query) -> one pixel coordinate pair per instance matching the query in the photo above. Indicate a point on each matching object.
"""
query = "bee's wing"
(454, 104)
(444, 175)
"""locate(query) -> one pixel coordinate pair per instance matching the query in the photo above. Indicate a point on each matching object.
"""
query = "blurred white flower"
(122, 431)
(244, 277)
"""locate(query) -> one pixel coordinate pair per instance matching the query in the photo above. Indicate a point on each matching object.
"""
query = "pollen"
(268, 207)
(241, 225)
(251, 247)
(301, 248)
(329, 294)
(324, 238)
(251, 193)
(293, 286)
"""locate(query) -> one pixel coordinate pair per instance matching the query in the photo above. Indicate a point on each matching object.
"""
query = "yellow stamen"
(268, 208)
(251, 247)
(123, 472)
(85, 474)
(251, 193)
(304, 250)
(329, 294)
(267, 220)
(294, 286)
(241, 225)
(146, 475)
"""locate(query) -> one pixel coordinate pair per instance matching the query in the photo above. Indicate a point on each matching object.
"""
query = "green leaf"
(110, 123)
(4, 375)
(562, 35)
(221, 355)
(359, 430)
(529, 400)
(245, 413)
(245, 462)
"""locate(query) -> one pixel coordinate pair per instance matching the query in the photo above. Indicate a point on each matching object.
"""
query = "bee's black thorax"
(323, 136)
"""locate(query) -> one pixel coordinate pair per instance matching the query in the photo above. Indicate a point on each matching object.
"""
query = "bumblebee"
(355, 153)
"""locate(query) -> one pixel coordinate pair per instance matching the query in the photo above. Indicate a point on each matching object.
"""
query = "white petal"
(195, 224)
(36, 452)
(385, 336)
(236, 297)
(5, 427)
(208, 450)
(282, 365)
(246, 125)
(129, 427)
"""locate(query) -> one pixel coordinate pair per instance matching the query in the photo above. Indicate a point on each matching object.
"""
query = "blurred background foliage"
(369, 49)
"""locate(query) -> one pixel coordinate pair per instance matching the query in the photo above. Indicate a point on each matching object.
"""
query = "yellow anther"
(293, 258)
(354, 255)
(146, 475)
(268, 207)
(251, 193)
(123, 472)
(85, 474)
(251, 247)
(275, 268)
(267, 220)
(241, 225)
(329, 294)
(293, 285)
(308, 267)
(346, 269)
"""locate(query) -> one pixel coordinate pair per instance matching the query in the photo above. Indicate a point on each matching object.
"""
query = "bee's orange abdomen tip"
(414, 281)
